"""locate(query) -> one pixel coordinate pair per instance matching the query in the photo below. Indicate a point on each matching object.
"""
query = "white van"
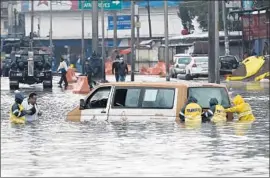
(141, 101)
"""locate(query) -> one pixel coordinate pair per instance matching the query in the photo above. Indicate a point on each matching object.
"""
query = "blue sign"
(123, 22)
(247, 4)
(152, 3)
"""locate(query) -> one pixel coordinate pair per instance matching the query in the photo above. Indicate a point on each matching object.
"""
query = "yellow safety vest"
(193, 112)
(219, 115)
(14, 119)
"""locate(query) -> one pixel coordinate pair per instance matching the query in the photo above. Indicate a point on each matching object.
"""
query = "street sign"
(107, 4)
(123, 22)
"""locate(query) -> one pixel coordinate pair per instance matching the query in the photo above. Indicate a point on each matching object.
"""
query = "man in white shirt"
(28, 103)
(63, 69)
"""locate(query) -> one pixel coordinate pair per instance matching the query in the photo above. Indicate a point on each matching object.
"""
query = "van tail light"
(194, 65)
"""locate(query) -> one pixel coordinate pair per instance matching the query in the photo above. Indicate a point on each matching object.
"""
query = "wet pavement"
(55, 147)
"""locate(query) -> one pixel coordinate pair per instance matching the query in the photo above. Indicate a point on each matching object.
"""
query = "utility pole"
(115, 30)
(149, 19)
(95, 26)
(166, 35)
(137, 30)
(51, 43)
(226, 36)
(213, 48)
(132, 40)
(32, 25)
(211, 40)
(15, 23)
(103, 43)
(10, 17)
(217, 64)
(83, 50)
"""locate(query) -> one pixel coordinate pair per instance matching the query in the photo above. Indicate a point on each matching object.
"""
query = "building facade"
(66, 22)
(4, 18)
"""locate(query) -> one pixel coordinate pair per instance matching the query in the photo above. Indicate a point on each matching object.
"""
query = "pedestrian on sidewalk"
(63, 69)
(123, 70)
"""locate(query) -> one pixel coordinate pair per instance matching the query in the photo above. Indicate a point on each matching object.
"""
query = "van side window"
(127, 97)
(158, 98)
(99, 98)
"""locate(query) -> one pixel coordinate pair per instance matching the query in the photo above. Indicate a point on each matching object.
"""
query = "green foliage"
(188, 10)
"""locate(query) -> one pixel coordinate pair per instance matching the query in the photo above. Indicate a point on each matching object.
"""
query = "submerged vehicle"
(30, 68)
(145, 101)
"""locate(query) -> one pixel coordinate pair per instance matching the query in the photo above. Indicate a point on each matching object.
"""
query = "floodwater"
(55, 147)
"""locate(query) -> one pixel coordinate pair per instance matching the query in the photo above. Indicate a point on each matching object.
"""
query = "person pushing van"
(191, 110)
(216, 113)
(242, 108)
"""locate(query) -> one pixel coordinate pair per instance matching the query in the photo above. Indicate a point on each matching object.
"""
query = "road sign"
(123, 22)
(107, 4)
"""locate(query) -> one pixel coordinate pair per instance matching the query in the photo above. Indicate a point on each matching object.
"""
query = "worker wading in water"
(216, 113)
(17, 112)
(191, 112)
(242, 108)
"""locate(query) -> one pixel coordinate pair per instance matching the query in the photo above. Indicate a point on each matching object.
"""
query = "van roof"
(163, 84)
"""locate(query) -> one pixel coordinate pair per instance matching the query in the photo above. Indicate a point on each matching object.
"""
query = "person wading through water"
(115, 68)
(63, 69)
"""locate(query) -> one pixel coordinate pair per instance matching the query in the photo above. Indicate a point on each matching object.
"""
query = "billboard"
(256, 26)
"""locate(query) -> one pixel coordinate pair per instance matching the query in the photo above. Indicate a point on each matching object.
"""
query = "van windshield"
(204, 94)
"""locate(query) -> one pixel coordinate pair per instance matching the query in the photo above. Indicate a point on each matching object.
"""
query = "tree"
(188, 10)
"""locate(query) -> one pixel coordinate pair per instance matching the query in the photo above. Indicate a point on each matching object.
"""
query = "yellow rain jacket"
(193, 113)
(242, 108)
(219, 115)
(14, 119)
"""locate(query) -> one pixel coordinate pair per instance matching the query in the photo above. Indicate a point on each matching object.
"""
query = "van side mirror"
(82, 104)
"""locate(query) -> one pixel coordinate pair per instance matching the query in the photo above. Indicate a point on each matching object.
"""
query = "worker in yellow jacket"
(192, 111)
(242, 108)
(216, 113)
(17, 112)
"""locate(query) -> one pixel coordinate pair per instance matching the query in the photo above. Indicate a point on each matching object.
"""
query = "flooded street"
(55, 147)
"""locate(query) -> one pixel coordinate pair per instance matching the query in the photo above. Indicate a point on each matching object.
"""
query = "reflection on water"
(54, 146)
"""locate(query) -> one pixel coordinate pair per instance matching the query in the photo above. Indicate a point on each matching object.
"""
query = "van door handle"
(103, 111)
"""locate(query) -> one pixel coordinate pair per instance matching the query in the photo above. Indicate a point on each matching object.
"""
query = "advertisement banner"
(256, 26)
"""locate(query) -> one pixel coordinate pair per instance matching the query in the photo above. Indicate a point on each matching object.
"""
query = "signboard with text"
(107, 4)
(123, 22)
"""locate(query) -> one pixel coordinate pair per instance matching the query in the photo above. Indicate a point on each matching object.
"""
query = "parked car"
(228, 64)
(180, 62)
(195, 68)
